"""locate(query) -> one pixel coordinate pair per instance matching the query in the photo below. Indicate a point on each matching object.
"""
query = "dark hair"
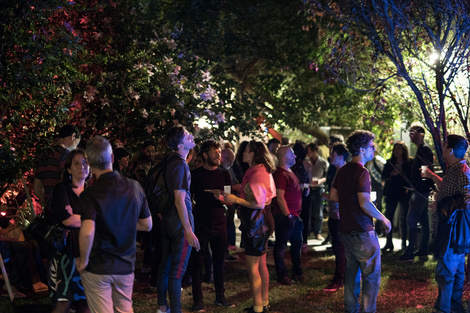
(357, 140)
(273, 140)
(312, 146)
(459, 144)
(417, 128)
(261, 155)
(300, 150)
(335, 138)
(340, 149)
(69, 130)
(174, 136)
(66, 176)
(405, 155)
(148, 143)
(208, 145)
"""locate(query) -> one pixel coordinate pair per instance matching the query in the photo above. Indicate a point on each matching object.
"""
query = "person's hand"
(192, 240)
(217, 193)
(314, 181)
(80, 264)
(427, 173)
(387, 225)
(230, 198)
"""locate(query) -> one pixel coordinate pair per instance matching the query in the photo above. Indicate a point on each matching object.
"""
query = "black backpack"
(159, 198)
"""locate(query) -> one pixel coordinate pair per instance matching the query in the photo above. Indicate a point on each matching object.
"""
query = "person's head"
(241, 151)
(69, 136)
(339, 154)
(285, 156)
(300, 150)
(417, 133)
(335, 138)
(199, 160)
(228, 157)
(149, 150)
(121, 158)
(256, 153)
(361, 142)
(400, 151)
(210, 150)
(312, 150)
(76, 167)
(273, 145)
(455, 147)
(99, 153)
(179, 139)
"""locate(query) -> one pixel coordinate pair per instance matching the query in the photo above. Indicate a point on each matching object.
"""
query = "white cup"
(227, 189)
(373, 196)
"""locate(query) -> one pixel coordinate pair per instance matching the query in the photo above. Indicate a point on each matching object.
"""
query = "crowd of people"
(278, 190)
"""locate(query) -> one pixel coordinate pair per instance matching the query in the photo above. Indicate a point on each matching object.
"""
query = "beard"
(212, 162)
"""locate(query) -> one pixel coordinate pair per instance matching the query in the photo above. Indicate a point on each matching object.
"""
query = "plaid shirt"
(455, 181)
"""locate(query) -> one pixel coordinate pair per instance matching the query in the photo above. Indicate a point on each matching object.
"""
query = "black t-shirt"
(209, 210)
(424, 156)
(63, 197)
(115, 203)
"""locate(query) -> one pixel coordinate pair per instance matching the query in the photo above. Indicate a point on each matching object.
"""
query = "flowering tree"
(421, 44)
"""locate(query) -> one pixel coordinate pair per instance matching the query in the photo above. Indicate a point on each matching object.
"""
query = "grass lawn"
(404, 288)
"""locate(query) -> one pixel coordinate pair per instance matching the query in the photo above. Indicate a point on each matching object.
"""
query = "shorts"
(256, 246)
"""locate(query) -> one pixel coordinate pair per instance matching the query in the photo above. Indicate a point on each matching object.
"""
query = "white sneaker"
(167, 311)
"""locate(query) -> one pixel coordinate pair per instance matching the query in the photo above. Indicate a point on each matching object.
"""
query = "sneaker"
(230, 258)
(333, 287)
(284, 281)
(224, 303)
(266, 308)
(406, 258)
(198, 308)
(167, 310)
(302, 278)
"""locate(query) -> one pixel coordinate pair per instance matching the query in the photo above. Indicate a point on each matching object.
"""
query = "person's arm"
(252, 204)
(281, 200)
(183, 215)
(144, 224)
(73, 221)
(370, 209)
(333, 194)
(39, 190)
(85, 241)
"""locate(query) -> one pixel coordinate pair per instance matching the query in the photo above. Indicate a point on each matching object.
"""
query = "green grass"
(404, 288)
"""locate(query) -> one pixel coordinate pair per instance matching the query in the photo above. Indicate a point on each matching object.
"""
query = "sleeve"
(60, 200)
(464, 187)
(363, 183)
(88, 207)
(179, 177)
(280, 180)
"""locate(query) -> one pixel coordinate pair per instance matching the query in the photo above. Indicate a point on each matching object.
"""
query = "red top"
(287, 181)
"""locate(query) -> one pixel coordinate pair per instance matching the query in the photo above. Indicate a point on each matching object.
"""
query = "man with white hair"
(114, 209)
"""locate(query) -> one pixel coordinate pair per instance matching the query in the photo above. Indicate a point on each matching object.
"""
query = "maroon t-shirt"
(287, 181)
(351, 179)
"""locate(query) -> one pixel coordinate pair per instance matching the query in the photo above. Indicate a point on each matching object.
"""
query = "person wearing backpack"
(453, 195)
(178, 236)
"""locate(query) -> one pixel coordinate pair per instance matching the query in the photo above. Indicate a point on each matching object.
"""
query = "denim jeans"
(362, 251)
(418, 212)
(287, 229)
(450, 275)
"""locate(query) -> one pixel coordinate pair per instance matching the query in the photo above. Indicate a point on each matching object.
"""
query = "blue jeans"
(287, 229)
(362, 251)
(450, 275)
(418, 212)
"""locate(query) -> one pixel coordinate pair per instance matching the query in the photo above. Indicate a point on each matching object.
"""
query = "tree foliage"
(406, 34)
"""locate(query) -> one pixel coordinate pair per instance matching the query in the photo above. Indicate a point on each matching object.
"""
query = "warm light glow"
(3, 213)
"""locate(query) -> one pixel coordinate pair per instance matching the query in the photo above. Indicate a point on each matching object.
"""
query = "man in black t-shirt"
(210, 221)
(113, 210)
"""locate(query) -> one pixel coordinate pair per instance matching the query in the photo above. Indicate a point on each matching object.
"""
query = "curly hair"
(357, 140)
(261, 155)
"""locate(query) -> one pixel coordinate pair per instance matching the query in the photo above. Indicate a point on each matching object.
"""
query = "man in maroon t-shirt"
(286, 210)
(351, 189)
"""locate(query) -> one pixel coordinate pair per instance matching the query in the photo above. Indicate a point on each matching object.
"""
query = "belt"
(359, 233)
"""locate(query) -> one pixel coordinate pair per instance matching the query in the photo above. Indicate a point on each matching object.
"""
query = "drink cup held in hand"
(424, 168)
(227, 189)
